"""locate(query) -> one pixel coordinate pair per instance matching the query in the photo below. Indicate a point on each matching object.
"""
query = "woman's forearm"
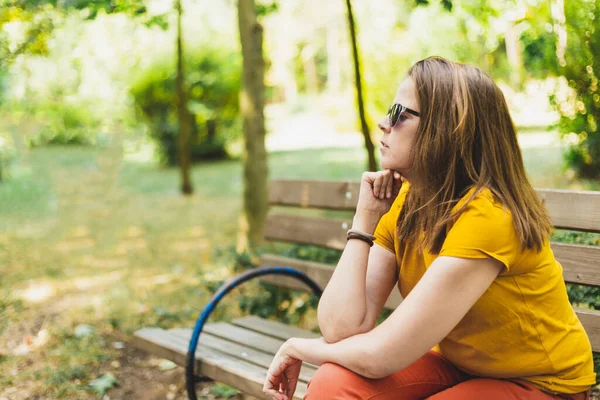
(343, 305)
(353, 353)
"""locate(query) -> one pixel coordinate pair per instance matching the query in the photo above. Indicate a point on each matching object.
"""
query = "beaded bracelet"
(356, 234)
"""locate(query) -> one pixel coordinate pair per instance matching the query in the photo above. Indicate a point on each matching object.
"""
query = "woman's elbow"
(334, 331)
(373, 365)
(332, 334)
(376, 371)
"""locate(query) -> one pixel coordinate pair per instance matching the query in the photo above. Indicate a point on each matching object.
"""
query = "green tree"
(213, 85)
(580, 112)
(38, 16)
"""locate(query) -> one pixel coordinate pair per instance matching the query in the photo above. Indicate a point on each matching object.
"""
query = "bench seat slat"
(273, 328)
(244, 337)
(237, 350)
(232, 371)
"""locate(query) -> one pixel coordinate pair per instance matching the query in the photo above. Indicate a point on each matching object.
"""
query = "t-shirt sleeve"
(385, 231)
(483, 230)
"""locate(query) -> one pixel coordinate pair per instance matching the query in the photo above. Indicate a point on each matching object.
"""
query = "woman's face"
(397, 140)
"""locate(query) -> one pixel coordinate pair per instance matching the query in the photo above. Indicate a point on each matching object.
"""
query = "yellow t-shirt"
(523, 326)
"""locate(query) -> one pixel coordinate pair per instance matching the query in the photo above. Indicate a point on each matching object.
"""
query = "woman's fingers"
(377, 185)
(272, 382)
(291, 388)
(277, 388)
(387, 179)
(384, 183)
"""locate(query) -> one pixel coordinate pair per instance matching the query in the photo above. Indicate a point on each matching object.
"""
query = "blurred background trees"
(82, 73)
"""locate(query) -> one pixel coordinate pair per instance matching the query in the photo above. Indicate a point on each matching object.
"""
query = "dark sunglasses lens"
(393, 114)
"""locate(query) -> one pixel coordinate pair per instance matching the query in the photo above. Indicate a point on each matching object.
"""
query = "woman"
(459, 228)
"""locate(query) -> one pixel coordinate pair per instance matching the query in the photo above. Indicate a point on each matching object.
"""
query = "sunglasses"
(396, 110)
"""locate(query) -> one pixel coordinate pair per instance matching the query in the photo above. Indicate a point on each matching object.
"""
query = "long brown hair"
(465, 139)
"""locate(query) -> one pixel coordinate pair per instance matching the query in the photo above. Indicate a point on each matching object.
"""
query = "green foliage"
(263, 10)
(213, 82)
(284, 305)
(587, 296)
(61, 123)
(102, 384)
(222, 390)
(580, 112)
(447, 4)
(40, 16)
(74, 354)
(538, 41)
(66, 373)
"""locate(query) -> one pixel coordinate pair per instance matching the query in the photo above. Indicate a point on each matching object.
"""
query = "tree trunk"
(211, 129)
(372, 166)
(183, 142)
(252, 102)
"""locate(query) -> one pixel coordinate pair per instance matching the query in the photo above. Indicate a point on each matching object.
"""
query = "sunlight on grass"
(37, 292)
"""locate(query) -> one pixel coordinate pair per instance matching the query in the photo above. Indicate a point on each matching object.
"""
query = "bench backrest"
(572, 210)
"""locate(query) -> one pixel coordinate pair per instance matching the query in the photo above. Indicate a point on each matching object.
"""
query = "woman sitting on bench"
(458, 227)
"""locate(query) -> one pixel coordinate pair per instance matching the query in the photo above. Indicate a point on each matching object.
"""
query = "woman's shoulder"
(481, 211)
(482, 199)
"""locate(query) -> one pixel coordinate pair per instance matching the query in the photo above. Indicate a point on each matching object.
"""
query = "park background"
(109, 222)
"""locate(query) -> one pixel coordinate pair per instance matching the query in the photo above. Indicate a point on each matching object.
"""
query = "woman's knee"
(334, 382)
(492, 389)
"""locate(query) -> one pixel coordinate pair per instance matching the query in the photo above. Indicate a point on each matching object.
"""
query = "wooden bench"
(239, 353)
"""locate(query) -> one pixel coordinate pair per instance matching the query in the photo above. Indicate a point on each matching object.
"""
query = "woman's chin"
(385, 165)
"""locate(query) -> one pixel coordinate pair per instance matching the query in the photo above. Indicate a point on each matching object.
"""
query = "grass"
(90, 237)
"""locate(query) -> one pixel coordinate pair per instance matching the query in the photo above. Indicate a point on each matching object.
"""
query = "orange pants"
(432, 377)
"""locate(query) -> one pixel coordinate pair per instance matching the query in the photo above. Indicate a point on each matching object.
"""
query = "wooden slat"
(273, 328)
(320, 273)
(581, 264)
(326, 232)
(245, 337)
(572, 209)
(590, 319)
(334, 195)
(569, 209)
(232, 371)
(236, 350)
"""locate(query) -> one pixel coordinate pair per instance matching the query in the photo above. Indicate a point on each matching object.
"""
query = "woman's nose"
(385, 125)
